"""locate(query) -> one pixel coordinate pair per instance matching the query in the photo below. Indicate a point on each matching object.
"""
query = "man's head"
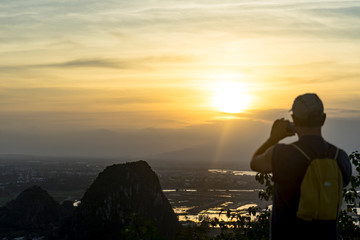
(308, 111)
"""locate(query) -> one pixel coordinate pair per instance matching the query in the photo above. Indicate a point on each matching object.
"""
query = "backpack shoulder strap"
(337, 153)
(333, 151)
(307, 156)
(301, 151)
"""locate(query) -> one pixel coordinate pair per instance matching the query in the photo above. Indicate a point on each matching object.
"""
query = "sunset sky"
(119, 65)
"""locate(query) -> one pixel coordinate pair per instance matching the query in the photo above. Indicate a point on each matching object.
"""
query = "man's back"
(289, 167)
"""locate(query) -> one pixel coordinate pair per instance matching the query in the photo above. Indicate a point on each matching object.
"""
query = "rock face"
(34, 210)
(124, 202)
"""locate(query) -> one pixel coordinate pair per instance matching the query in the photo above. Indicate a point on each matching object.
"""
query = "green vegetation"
(255, 224)
(349, 220)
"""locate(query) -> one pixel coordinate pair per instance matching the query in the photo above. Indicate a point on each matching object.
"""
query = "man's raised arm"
(262, 158)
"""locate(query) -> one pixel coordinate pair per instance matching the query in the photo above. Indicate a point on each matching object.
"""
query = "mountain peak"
(33, 209)
(124, 197)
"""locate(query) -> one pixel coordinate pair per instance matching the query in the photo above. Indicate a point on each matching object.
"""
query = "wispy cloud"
(69, 19)
(135, 63)
(92, 63)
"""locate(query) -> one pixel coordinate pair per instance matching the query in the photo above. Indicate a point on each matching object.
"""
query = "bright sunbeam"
(231, 97)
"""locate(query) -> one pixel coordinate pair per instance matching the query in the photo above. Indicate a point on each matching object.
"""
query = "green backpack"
(321, 189)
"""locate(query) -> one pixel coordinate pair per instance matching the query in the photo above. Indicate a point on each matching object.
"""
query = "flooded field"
(195, 205)
(210, 193)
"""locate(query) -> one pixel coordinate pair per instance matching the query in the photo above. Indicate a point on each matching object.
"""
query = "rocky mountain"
(124, 202)
(33, 211)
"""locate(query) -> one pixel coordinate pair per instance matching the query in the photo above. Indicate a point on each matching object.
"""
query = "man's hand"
(280, 130)
(262, 158)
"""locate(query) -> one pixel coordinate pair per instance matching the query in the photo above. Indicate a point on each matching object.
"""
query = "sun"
(230, 97)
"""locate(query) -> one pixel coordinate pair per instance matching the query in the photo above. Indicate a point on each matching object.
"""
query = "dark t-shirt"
(289, 167)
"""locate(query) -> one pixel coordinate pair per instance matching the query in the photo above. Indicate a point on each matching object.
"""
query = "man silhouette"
(288, 166)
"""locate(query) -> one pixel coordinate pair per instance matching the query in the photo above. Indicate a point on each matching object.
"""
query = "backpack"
(321, 189)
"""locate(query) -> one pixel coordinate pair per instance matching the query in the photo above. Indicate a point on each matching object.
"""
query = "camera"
(291, 128)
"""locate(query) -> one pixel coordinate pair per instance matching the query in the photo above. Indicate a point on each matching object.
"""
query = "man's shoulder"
(285, 147)
(284, 150)
(341, 154)
(344, 163)
(342, 157)
(340, 149)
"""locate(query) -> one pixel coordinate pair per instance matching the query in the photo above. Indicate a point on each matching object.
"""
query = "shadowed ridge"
(125, 199)
(34, 210)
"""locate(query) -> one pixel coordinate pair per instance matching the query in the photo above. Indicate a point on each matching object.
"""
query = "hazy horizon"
(218, 143)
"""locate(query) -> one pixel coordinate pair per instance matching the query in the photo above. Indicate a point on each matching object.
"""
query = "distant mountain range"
(229, 142)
